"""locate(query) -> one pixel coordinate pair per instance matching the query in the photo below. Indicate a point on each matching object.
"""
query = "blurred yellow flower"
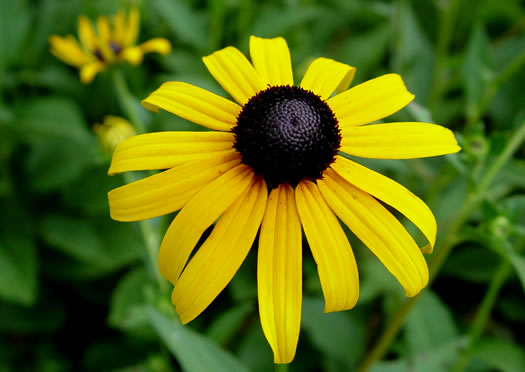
(274, 165)
(109, 42)
(113, 131)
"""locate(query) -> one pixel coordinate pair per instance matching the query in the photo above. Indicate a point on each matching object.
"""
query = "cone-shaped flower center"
(287, 134)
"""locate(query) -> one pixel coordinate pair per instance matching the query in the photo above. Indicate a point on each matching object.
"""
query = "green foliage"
(78, 291)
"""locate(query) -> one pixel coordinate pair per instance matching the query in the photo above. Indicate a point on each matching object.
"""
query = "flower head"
(275, 163)
(110, 42)
(113, 131)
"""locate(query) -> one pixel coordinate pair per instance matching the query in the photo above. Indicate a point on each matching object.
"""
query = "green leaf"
(518, 263)
(193, 351)
(55, 117)
(429, 324)
(471, 262)
(183, 21)
(273, 20)
(18, 265)
(128, 309)
(14, 22)
(47, 315)
(339, 335)
(500, 355)
(18, 255)
(228, 323)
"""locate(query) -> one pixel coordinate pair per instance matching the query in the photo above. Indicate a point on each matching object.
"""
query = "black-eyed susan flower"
(275, 163)
(107, 43)
(113, 131)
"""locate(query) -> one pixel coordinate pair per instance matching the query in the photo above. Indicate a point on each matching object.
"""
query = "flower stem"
(444, 248)
(281, 367)
(127, 101)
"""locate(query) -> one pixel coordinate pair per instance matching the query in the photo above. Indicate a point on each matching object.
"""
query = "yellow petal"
(370, 101)
(89, 71)
(86, 33)
(271, 59)
(163, 150)
(133, 55)
(398, 141)
(197, 215)
(330, 248)
(234, 73)
(221, 255)
(325, 75)
(159, 45)
(119, 27)
(194, 104)
(391, 193)
(168, 191)
(68, 50)
(132, 30)
(378, 229)
(279, 273)
(104, 39)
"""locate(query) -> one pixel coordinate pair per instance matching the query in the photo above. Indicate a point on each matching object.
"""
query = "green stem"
(489, 300)
(444, 248)
(494, 86)
(127, 101)
(281, 367)
(444, 39)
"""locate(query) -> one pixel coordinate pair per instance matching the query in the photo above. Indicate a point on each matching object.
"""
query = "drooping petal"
(133, 55)
(68, 50)
(86, 33)
(158, 45)
(221, 255)
(132, 30)
(198, 214)
(163, 150)
(279, 273)
(271, 59)
(398, 141)
(234, 73)
(378, 229)
(194, 104)
(90, 70)
(325, 75)
(330, 247)
(370, 101)
(391, 193)
(168, 191)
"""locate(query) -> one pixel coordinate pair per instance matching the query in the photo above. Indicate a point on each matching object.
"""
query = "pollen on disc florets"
(287, 134)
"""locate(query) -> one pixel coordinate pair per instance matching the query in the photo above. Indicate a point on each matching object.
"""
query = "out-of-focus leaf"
(102, 244)
(471, 262)
(193, 351)
(47, 315)
(227, 324)
(183, 21)
(55, 163)
(128, 309)
(51, 117)
(429, 324)
(476, 72)
(518, 263)
(274, 21)
(14, 21)
(338, 335)
(500, 355)
(254, 350)
(18, 256)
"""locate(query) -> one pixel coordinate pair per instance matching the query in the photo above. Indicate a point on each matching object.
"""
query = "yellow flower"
(107, 44)
(113, 131)
(274, 161)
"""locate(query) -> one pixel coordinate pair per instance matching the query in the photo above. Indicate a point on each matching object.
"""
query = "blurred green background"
(75, 293)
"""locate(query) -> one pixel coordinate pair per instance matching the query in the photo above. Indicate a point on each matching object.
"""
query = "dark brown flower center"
(287, 134)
